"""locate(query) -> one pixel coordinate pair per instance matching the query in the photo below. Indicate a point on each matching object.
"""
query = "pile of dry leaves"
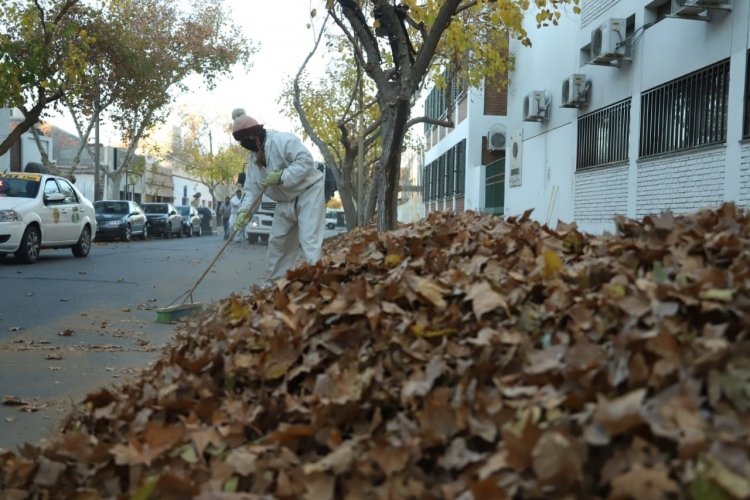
(468, 357)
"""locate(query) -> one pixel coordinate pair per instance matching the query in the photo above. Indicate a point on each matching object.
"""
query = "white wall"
(669, 49)
(193, 187)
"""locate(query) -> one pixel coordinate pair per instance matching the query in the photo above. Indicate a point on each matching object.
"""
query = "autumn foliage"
(467, 357)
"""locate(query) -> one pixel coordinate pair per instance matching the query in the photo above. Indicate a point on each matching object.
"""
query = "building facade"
(464, 164)
(632, 107)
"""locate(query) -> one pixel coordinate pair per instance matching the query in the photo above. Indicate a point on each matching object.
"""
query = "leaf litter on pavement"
(466, 357)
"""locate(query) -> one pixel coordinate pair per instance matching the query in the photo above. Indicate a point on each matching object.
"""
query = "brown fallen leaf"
(14, 401)
(126, 309)
(10, 419)
(53, 355)
(66, 333)
(14, 328)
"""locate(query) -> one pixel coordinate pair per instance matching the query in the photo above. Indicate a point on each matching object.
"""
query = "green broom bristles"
(171, 314)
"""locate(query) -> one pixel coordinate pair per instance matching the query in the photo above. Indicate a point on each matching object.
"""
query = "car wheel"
(252, 239)
(81, 249)
(168, 232)
(28, 252)
(128, 233)
(189, 231)
(200, 231)
(180, 232)
(330, 226)
(144, 236)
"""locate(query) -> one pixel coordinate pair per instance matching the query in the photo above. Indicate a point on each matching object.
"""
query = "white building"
(464, 167)
(666, 124)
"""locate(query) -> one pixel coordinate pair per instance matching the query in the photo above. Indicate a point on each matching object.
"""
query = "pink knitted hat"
(243, 125)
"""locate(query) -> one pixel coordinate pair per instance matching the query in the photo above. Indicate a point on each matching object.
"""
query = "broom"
(171, 313)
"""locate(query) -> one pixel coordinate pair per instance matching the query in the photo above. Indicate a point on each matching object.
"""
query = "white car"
(43, 211)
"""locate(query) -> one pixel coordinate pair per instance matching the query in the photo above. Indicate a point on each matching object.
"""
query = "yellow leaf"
(429, 290)
(144, 492)
(724, 295)
(231, 484)
(392, 260)
(189, 455)
(439, 333)
(737, 486)
(552, 264)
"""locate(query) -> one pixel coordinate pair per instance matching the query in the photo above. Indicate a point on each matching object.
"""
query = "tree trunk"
(372, 195)
(395, 113)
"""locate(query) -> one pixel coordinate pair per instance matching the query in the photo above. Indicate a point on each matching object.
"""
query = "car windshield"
(155, 209)
(111, 207)
(19, 185)
(183, 210)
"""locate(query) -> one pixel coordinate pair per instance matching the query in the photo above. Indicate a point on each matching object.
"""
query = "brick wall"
(591, 9)
(496, 96)
(490, 156)
(460, 205)
(600, 194)
(745, 176)
(681, 184)
(463, 109)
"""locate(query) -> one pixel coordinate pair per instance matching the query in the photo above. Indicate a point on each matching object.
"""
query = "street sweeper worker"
(283, 165)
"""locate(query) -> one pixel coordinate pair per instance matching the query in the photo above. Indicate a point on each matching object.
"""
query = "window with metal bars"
(604, 136)
(450, 172)
(460, 167)
(685, 113)
(441, 178)
(746, 118)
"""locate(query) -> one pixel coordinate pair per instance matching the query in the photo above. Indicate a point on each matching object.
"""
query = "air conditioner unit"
(608, 43)
(496, 138)
(536, 106)
(692, 9)
(575, 91)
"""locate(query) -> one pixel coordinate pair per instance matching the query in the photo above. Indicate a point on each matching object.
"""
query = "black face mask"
(249, 144)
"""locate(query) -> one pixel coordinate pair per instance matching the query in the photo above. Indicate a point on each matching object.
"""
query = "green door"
(494, 187)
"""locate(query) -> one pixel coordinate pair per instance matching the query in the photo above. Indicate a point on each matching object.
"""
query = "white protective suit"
(299, 219)
(235, 202)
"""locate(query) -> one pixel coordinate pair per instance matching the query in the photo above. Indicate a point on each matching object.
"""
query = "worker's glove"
(243, 217)
(272, 179)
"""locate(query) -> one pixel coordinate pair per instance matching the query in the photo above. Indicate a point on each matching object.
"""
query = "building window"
(604, 136)
(446, 176)
(686, 113)
(494, 189)
(746, 119)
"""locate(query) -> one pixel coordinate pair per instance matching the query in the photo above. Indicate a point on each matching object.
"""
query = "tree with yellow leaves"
(401, 46)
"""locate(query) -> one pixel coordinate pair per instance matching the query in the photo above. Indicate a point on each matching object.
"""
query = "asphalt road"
(107, 301)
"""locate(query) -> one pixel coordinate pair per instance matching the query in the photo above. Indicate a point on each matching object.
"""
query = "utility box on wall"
(515, 155)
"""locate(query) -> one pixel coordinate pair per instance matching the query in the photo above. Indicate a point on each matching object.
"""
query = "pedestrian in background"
(236, 201)
(225, 209)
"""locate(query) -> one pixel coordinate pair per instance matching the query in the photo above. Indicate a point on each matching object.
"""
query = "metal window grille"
(686, 113)
(441, 178)
(450, 172)
(425, 187)
(460, 167)
(746, 120)
(435, 186)
(604, 136)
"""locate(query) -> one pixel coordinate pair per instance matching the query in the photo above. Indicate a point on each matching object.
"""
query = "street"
(69, 326)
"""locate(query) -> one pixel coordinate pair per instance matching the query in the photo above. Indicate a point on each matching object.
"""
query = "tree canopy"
(43, 55)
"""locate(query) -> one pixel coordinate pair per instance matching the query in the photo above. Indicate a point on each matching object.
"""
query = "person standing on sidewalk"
(225, 209)
(235, 208)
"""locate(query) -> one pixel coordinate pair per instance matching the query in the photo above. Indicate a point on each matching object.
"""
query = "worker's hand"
(243, 217)
(272, 179)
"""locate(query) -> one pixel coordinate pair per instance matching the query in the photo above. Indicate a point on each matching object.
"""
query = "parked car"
(191, 221)
(43, 211)
(120, 219)
(163, 219)
(334, 218)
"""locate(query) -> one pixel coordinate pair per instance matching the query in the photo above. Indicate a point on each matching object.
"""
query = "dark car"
(206, 220)
(163, 219)
(120, 219)
(191, 221)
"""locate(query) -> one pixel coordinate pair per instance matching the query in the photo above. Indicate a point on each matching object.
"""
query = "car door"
(174, 216)
(50, 213)
(137, 218)
(71, 213)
